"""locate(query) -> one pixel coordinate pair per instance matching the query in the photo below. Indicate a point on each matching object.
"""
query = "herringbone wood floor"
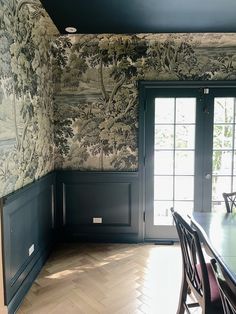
(107, 279)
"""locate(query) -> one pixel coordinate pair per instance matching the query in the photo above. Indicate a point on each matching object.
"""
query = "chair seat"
(214, 289)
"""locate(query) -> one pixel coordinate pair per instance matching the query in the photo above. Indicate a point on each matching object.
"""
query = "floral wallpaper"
(96, 95)
(26, 89)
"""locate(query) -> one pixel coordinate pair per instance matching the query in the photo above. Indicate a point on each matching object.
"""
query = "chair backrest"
(194, 265)
(227, 287)
(230, 201)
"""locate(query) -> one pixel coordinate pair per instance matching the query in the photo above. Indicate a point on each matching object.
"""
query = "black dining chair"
(197, 277)
(230, 201)
(227, 287)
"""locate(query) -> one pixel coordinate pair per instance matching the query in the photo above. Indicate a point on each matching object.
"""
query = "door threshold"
(164, 242)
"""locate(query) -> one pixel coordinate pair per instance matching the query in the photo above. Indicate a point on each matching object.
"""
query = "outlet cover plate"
(31, 249)
(97, 220)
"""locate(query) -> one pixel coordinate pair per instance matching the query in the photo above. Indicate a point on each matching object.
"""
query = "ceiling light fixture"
(70, 29)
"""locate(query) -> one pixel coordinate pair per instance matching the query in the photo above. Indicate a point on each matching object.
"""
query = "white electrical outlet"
(97, 220)
(31, 249)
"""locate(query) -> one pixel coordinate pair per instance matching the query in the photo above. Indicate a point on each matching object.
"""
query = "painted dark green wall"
(29, 222)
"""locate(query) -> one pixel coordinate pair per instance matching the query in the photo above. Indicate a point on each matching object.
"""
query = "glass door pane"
(223, 159)
(175, 121)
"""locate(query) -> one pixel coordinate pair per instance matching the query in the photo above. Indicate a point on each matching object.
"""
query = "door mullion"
(233, 147)
(207, 151)
(174, 149)
(199, 152)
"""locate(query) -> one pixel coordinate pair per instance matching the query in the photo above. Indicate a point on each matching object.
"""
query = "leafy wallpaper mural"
(71, 102)
(96, 95)
(26, 112)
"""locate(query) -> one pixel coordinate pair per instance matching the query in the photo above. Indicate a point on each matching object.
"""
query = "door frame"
(143, 87)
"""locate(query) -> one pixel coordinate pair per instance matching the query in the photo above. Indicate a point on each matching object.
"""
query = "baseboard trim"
(27, 283)
(160, 241)
(164, 242)
(105, 238)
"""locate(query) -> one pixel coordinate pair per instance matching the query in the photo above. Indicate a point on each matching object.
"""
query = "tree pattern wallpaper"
(96, 93)
(26, 91)
(71, 102)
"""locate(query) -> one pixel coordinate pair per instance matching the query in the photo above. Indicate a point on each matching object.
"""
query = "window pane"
(184, 162)
(163, 188)
(184, 188)
(185, 110)
(234, 184)
(164, 136)
(163, 163)
(164, 110)
(223, 136)
(222, 162)
(223, 110)
(184, 208)
(161, 212)
(220, 185)
(235, 138)
(162, 208)
(234, 163)
(218, 207)
(185, 136)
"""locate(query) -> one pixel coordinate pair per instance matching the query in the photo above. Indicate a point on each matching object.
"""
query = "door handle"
(208, 176)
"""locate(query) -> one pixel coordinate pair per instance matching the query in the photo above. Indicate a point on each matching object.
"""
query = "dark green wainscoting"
(115, 197)
(28, 222)
(61, 207)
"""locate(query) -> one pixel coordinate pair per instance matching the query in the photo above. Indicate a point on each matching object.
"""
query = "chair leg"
(183, 296)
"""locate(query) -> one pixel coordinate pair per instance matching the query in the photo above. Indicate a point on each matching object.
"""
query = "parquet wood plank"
(107, 279)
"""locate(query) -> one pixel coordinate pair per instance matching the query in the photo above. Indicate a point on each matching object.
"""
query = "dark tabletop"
(218, 231)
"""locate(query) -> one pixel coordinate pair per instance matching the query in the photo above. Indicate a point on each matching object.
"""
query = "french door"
(190, 153)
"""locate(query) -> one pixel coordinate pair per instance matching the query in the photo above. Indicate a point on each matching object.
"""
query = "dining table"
(218, 233)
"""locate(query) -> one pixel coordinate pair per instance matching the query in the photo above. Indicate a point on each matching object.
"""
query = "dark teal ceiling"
(143, 16)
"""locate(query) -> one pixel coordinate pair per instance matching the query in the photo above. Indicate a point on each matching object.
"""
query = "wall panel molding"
(28, 222)
(112, 196)
(63, 203)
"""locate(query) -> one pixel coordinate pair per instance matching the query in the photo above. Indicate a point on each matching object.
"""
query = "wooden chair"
(197, 277)
(230, 201)
(227, 287)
